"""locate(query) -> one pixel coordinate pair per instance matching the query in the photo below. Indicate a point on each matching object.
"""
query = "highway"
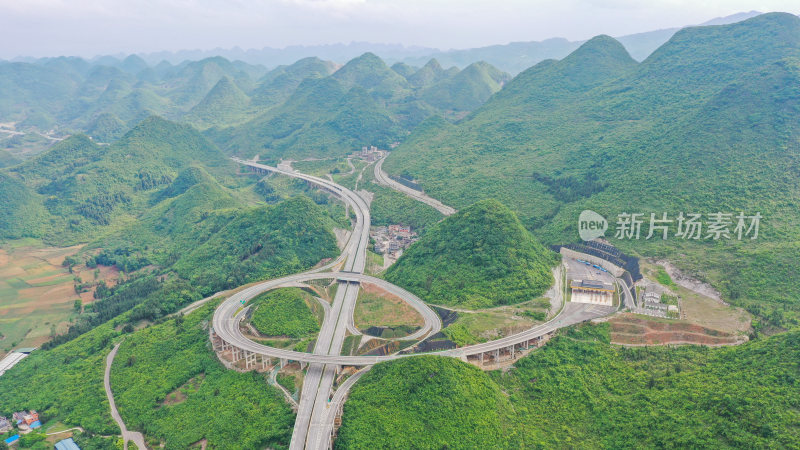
(319, 379)
(317, 409)
(230, 313)
(335, 407)
(354, 254)
(383, 178)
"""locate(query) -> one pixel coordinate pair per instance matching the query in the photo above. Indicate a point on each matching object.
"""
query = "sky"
(96, 27)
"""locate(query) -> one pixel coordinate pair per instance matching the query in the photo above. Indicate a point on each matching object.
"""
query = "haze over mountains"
(131, 160)
(512, 58)
(250, 109)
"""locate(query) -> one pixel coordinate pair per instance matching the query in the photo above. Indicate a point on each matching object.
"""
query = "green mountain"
(209, 235)
(106, 97)
(99, 79)
(705, 124)
(276, 86)
(72, 95)
(7, 159)
(174, 356)
(152, 365)
(429, 74)
(364, 102)
(321, 118)
(139, 104)
(516, 57)
(373, 75)
(480, 257)
(30, 91)
(260, 243)
(85, 186)
(133, 64)
(22, 212)
(107, 128)
(664, 390)
(162, 217)
(225, 104)
(435, 403)
(404, 69)
(195, 79)
(185, 214)
(468, 89)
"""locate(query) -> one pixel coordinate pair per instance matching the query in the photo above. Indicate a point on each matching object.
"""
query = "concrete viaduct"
(319, 405)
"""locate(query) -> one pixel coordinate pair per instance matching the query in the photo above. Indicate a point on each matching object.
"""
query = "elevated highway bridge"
(319, 404)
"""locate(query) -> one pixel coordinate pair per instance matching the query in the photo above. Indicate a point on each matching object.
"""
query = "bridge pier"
(216, 341)
(250, 360)
(284, 362)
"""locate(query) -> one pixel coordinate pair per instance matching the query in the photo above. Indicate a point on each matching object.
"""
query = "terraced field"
(633, 330)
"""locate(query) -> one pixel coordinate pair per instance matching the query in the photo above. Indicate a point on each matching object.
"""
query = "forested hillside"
(85, 186)
(309, 108)
(154, 205)
(708, 123)
(479, 257)
(364, 102)
(121, 170)
(163, 375)
(579, 391)
(425, 402)
(167, 374)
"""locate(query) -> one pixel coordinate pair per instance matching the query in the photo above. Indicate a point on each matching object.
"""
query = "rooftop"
(67, 444)
(592, 284)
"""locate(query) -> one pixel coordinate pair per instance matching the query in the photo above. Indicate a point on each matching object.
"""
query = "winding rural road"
(134, 436)
(383, 178)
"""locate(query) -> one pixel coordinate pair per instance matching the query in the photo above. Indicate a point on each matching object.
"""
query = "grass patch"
(664, 279)
(375, 307)
(284, 312)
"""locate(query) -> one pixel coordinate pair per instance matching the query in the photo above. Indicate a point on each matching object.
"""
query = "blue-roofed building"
(12, 439)
(36, 425)
(67, 444)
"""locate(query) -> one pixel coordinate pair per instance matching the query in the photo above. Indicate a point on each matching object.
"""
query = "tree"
(77, 306)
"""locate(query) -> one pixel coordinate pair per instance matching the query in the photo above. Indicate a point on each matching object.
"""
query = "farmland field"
(37, 294)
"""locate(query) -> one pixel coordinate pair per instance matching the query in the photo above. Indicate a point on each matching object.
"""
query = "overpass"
(318, 382)
(226, 333)
(319, 405)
